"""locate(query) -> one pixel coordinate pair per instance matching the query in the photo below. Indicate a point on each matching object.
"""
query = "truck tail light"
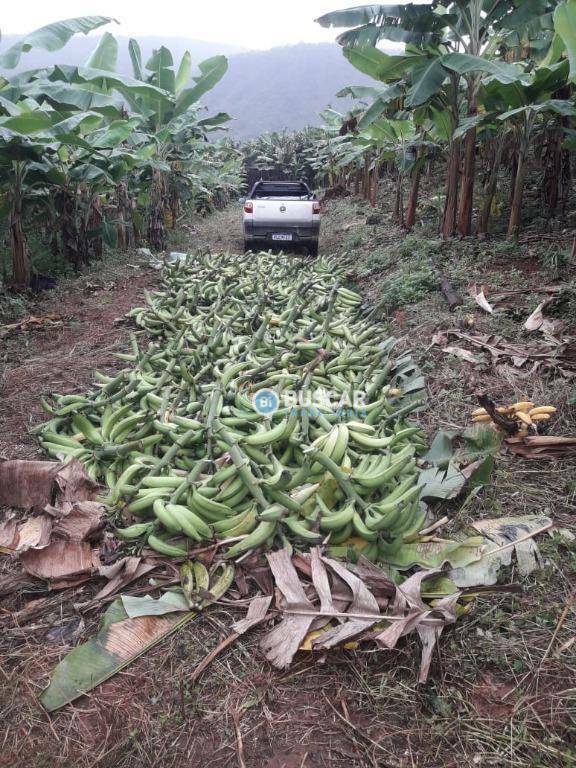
(248, 206)
(315, 207)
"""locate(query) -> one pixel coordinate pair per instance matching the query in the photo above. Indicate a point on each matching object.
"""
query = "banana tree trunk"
(122, 214)
(490, 190)
(467, 184)
(520, 178)
(94, 224)
(374, 184)
(20, 258)
(468, 174)
(448, 228)
(556, 161)
(156, 231)
(399, 201)
(413, 198)
(515, 210)
(366, 178)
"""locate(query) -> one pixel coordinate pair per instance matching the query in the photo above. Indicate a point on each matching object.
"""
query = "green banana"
(133, 531)
(299, 528)
(164, 548)
(259, 535)
(338, 520)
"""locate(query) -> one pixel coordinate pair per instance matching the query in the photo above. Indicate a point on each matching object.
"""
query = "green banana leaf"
(105, 55)
(212, 71)
(127, 631)
(136, 59)
(463, 63)
(170, 602)
(565, 25)
(28, 122)
(120, 641)
(377, 64)
(52, 37)
(184, 72)
(441, 483)
(433, 554)
(427, 78)
(80, 96)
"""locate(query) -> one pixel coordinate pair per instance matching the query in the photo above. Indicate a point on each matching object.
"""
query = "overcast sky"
(251, 24)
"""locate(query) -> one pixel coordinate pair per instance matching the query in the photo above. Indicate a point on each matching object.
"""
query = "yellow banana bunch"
(524, 411)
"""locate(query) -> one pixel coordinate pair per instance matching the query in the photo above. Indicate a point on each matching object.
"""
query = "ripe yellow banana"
(521, 406)
(539, 416)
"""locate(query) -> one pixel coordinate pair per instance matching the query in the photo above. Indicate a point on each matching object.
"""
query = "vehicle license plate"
(280, 236)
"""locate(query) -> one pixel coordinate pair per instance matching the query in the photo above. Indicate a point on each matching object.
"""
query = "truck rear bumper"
(264, 232)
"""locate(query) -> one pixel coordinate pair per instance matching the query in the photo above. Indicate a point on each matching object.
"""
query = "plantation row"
(89, 156)
(484, 89)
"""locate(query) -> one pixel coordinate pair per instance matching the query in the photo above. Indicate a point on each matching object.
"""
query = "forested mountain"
(282, 87)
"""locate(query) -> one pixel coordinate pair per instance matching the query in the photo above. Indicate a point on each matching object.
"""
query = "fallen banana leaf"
(281, 644)
(516, 533)
(307, 643)
(34, 533)
(34, 484)
(548, 353)
(257, 613)
(170, 602)
(503, 537)
(537, 321)
(479, 296)
(120, 641)
(441, 449)
(441, 483)
(59, 560)
(305, 626)
(463, 354)
(459, 458)
(434, 554)
(81, 521)
(30, 322)
(130, 626)
(120, 574)
(427, 620)
(483, 572)
(207, 588)
(8, 535)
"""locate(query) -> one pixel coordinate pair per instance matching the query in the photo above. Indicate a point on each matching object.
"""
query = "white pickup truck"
(281, 212)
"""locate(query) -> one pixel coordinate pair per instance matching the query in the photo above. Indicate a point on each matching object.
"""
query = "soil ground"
(502, 689)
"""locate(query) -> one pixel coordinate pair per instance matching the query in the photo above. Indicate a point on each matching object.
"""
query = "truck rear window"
(269, 189)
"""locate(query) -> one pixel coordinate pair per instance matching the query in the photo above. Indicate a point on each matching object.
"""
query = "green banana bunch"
(176, 435)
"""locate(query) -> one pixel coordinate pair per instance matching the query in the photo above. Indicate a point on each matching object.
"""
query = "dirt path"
(489, 701)
(84, 326)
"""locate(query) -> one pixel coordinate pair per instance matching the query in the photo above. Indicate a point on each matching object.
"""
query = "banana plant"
(523, 108)
(81, 144)
(175, 126)
(451, 49)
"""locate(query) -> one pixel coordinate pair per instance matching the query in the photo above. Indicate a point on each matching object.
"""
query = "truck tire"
(313, 249)
(247, 246)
